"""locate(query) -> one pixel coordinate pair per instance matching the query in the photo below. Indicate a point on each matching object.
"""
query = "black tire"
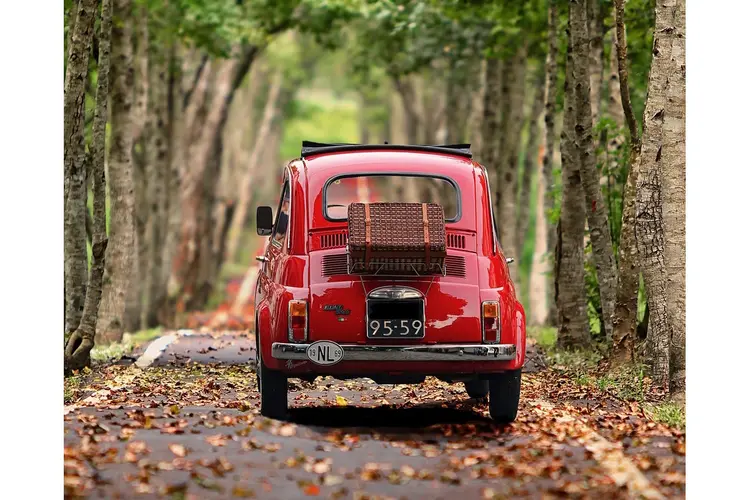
(477, 389)
(273, 387)
(505, 392)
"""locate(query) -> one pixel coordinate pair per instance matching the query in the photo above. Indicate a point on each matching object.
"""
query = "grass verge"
(628, 383)
(116, 350)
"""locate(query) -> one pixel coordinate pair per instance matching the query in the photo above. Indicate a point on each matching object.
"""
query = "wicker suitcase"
(396, 238)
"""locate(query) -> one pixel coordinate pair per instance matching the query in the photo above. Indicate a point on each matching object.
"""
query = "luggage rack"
(409, 269)
(310, 148)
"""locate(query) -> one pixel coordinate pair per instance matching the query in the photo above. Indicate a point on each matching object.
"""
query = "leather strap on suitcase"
(426, 229)
(368, 234)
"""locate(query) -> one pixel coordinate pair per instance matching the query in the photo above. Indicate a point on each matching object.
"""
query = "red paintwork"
(452, 306)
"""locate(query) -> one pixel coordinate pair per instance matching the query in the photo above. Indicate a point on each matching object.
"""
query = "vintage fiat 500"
(317, 313)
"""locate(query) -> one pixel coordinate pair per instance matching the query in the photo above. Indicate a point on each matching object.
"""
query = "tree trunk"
(547, 179)
(121, 248)
(405, 88)
(530, 162)
(649, 223)
(141, 62)
(601, 239)
(246, 185)
(596, 56)
(537, 292)
(76, 75)
(570, 291)
(176, 164)
(625, 320)
(508, 174)
(491, 118)
(78, 349)
(477, 111)
(673, 199)
(199, 183)
(157, 170)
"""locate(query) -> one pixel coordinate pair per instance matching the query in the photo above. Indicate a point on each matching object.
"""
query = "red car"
(315, 318)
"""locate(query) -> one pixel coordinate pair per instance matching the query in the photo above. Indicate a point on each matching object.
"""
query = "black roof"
(312, 148)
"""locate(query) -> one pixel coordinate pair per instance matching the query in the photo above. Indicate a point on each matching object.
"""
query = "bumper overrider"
(435, 352)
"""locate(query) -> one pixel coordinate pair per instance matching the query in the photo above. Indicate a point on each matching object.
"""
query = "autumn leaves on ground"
(185, 424)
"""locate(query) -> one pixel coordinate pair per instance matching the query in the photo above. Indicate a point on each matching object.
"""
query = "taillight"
(491, 322)
(297, 320)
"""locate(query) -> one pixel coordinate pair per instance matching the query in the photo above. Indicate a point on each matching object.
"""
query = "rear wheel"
(477, 389)
(272, 386)
(505, 392)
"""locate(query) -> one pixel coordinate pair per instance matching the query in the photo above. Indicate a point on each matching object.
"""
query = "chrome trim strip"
(394, 292)
(435, 352)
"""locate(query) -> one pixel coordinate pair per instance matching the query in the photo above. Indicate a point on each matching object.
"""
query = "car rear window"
(341, 191)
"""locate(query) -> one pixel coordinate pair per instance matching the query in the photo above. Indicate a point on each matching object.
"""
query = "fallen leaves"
(178, 449)
(202, 422)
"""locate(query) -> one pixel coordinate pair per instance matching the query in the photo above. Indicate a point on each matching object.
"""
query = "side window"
(282, 218)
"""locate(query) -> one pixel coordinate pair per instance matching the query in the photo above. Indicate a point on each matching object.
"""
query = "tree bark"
(141, 63)
(530, 163)
(491, 118)
(157, 170)
(625, 320)
(570, 291)
(76, 75)
(405, 88)
(80, 343)
(547, 178)
(176, 162)
(121, 248)
(596, 210)
(239, 217)
(596, 56)
(477, 111)
(649, 222)
(673, 199)
(507, 180)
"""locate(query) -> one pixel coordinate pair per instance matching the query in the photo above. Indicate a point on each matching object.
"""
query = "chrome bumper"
(435, 352)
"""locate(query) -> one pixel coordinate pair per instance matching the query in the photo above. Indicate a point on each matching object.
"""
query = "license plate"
(395, 328)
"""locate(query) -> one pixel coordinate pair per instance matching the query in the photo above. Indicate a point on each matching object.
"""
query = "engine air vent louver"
(333, 240)
(455, 265)
(334, 264)
(457, 241)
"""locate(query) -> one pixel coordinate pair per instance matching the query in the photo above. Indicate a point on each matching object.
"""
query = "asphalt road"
(186, 426)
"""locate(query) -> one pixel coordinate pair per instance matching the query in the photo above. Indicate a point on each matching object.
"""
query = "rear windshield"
(390, 188)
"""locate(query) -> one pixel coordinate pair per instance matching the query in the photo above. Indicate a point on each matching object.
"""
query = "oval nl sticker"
(325, 352)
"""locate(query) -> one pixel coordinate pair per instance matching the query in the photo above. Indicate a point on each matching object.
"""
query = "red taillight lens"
(491, 322)
(297, 320)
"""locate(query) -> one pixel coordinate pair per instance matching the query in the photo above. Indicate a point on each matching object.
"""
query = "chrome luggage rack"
(385, 268)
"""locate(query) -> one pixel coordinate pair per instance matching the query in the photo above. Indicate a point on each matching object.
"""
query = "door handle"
(261, 258)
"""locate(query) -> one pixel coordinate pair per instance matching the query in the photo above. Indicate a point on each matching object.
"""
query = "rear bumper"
(436, 352)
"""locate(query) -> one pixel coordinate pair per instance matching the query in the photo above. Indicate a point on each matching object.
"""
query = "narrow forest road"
(186, 425)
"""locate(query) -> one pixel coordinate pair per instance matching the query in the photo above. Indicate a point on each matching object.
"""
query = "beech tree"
(597, 217)
(570, 295)
(74, 162)
(80, 343)
(626, 308)
(120, 258)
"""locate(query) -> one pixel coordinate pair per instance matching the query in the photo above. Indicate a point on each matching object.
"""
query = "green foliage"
(668, 413)
(319, 116)
(545, 336)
